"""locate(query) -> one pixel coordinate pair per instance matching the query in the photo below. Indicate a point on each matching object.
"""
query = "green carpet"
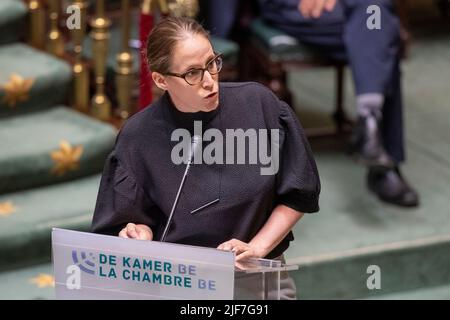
(25, 233)
(334, 247)
(24, 284)
(434, 293)
(30, 139)
(353, 229)
(50, 155)
(51, 78)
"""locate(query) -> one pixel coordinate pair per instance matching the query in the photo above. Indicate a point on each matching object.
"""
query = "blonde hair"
(164, 37)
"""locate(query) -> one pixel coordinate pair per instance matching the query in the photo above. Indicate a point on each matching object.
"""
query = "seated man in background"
(339, 28)
(218, 16)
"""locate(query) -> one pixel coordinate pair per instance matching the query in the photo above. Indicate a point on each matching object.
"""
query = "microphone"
(195, 145)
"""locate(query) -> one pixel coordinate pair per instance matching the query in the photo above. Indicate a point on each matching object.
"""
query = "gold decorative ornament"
(16, 90)
(183, 8)
(151, 6)
(7, 208)
(43, 280)
(67, 158)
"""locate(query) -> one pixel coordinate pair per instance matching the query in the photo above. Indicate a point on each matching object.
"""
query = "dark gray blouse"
(140, 180)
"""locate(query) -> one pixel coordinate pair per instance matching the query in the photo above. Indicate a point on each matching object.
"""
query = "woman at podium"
(221, 165)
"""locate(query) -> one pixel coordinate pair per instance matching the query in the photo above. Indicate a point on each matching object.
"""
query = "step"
(403, 266)
(30, 139)
(353, 229)
(41, 80)
(432, 293)
(25, 229)
(30, 283)
(12, 17)
(35, 283)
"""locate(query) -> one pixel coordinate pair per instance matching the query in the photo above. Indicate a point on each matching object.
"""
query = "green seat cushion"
(228, 48)
(12, 14)
(28, 140)
(25, 234)
(279, 45)
(51, 77)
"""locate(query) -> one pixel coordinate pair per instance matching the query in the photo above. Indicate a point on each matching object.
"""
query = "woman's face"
(190, 53)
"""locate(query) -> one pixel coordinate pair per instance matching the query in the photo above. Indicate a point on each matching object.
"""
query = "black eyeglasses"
(195, 76)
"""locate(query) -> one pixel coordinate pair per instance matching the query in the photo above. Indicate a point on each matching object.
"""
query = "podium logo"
(84, 262)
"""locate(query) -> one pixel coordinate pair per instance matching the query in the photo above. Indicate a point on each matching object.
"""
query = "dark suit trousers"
(373, 55)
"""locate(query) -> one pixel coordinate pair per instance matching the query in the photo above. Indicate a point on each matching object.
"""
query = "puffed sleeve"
(298, 183)
(120, 200)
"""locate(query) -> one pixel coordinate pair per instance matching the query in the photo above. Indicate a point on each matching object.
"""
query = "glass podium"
(91, 266)
(260, 279)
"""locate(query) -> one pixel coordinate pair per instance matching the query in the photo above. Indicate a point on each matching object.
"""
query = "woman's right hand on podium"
(136, 231)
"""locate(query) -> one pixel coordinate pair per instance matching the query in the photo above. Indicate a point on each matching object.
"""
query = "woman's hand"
(314, 8)
(242, 249)
(275, 229)
(136, 231)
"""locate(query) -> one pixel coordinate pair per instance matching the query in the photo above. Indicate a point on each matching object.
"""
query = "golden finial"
(124, 68)
(183, 8)
(55, 41)
(80, 85)
(36, 30)
(101, 105)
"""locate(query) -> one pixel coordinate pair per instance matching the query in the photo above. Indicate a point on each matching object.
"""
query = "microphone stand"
(196, 140)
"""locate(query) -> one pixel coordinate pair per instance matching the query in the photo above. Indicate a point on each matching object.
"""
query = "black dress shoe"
(366, 145)
(390, 186)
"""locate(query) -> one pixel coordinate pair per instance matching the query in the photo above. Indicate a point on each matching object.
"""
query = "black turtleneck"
(186, 119)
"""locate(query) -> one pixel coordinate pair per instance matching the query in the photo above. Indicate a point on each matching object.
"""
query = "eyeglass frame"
(183, 75)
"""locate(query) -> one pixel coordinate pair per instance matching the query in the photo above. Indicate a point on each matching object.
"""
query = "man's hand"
(242, 249)
(136, 231)
(314, 8)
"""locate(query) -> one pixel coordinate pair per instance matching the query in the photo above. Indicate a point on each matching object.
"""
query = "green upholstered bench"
(230, 51)
(25, 234)
(51, 78)
(12, 15)
(27, 143)
(269, 53)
